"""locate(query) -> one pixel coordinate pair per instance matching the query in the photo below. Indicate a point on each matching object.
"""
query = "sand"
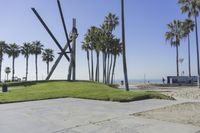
(185, 92)
(186, 113)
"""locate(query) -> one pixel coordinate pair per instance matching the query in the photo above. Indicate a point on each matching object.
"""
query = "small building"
(181, 79)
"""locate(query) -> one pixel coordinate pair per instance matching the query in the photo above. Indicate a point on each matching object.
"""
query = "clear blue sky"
(147, 51)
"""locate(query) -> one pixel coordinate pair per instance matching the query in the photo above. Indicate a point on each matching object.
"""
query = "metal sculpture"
(72, 39)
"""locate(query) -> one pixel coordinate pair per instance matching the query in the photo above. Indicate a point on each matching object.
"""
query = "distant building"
(181, 79)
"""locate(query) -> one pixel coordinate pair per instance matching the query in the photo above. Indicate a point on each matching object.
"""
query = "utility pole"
(124, 48)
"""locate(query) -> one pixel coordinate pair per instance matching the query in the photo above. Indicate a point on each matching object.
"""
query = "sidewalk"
(77, 115)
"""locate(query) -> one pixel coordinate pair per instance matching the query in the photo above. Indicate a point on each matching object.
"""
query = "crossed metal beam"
(67, 45)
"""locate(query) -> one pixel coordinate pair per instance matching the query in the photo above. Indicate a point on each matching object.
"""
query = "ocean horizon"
(134, 81)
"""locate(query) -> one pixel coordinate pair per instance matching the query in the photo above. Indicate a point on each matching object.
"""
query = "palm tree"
(47, 56)
(117, 50)
(174, 35)
(188, 26)
(124, 48)
(97, 48)
(85, 47)
(37, 50)
(2, 51)
(110, 59)
(26, 50)
(192, 7)
(7, 71)
(13, 50)
(104, 38)
(90, 39)
(111, 22)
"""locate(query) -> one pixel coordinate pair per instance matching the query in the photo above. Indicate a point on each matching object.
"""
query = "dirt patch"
(186, 113)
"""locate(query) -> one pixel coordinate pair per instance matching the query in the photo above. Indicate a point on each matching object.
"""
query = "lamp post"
(124, 48)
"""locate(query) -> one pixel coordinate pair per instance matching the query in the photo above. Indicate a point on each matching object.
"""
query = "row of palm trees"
(101, 40)
(179, 30)
(35, 48)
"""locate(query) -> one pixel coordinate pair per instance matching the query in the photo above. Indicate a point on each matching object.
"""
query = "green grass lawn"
(64, 89)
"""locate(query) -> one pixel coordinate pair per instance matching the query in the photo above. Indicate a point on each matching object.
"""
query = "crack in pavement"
(82, 125)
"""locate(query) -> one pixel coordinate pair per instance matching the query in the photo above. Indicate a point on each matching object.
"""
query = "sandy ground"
(186, 113)
(185, 92)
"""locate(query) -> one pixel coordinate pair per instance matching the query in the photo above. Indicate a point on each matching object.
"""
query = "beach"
(184, 113)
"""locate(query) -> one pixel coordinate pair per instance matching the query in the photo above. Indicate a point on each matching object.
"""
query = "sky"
(146, 21)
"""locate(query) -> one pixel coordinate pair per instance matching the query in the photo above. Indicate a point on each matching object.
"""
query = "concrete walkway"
(70, 115)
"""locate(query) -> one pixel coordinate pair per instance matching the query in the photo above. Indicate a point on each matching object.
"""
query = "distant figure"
(122, 82)
(163, 80)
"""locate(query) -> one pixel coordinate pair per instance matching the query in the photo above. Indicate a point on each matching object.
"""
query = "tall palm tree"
(85, 46)
(110, 59)
(174, 36)
(117, 50)
(7, 71)
(104, 38)
(37, 50)
(47, 56)
(111, 22)
(26, 50)
(13, 50)
(97, 48)
(90, 39)
(124, 48)
(2, 51)
(192, 7)
(188, 26)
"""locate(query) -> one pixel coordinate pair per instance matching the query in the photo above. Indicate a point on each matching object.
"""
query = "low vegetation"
(64, 89)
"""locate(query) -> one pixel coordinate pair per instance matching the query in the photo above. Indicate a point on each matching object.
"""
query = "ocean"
(135, 81)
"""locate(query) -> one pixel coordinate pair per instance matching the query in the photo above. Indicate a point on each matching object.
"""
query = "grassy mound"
(63, 89)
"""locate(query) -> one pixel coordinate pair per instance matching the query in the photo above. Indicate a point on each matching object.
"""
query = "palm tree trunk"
(111, 63)
(197, 47)
(13, 69)
(26, 68)
(36, 67)
(177, 63)
(1, 58)
(47, 68)
(97, 67)
(113, 70)
(103, 59)
(0, 67)
(88, 60)
(92, 65)
(108, 66)
(104, 66)
(189, 67)
(124, 48)
(105, 62)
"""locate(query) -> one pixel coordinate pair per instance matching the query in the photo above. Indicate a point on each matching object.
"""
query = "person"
(122, 82)
(163, 80)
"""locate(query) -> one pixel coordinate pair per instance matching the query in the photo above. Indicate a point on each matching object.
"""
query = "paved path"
(70, 115)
